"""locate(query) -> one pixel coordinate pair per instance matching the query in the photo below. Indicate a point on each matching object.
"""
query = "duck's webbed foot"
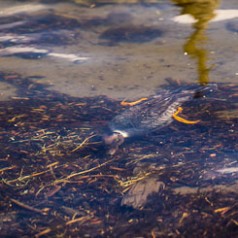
(124, 103)
(183, 120)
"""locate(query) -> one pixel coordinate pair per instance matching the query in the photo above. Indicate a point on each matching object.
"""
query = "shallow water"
(57, 178)
(118, 50)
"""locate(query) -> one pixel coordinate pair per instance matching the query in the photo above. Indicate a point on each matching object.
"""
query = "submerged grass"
(58, 180)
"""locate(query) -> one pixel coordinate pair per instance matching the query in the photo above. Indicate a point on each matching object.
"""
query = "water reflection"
(139, 40)
(203, 12)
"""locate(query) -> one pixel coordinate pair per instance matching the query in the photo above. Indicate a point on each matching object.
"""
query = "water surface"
(66, 68)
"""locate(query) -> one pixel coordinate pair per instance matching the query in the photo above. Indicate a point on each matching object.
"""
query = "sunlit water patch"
(119, 50)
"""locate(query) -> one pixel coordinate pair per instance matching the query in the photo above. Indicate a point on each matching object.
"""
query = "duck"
(150, 115)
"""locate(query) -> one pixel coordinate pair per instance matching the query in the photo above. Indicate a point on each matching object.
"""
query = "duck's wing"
(159, 110)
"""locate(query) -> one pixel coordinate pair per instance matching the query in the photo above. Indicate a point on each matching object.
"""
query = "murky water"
(68, 68)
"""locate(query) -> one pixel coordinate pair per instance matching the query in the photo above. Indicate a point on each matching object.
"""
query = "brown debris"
(57, 179)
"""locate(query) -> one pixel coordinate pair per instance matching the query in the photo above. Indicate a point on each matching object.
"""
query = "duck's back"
(152, 114)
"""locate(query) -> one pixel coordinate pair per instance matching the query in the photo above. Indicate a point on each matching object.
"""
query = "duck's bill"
(113, 141)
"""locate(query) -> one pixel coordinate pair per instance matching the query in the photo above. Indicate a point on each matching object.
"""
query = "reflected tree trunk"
(203, 12)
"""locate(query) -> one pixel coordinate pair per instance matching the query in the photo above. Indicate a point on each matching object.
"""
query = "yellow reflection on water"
(203, 12)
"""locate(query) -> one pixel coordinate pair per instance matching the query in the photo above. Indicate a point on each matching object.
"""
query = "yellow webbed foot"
(124, 103)
(180, 119)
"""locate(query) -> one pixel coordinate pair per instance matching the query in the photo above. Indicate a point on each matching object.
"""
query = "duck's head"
(114, 140)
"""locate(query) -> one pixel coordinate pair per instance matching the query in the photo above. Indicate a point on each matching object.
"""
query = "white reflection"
(221, 15)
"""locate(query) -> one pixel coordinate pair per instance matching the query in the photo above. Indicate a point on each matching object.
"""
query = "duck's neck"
(131, 132)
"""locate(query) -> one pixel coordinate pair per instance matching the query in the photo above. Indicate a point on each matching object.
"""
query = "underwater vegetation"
(57, 177)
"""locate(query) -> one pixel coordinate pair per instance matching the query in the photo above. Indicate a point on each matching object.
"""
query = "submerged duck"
(150, 115)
